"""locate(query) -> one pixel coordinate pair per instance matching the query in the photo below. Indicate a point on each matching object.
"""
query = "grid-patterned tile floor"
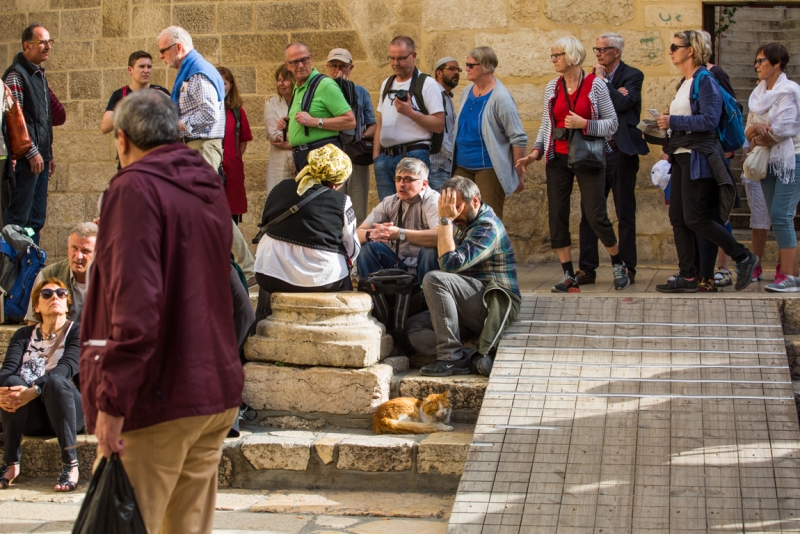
(635, 415)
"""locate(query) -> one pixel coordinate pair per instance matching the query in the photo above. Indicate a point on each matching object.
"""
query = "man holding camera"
(405, 124)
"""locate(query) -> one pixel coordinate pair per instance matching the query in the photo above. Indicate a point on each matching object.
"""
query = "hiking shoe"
(584, 277)
(679, 285)
(723, 278)
(568, 284)
(446, 368)
(744, 271)
(483, 364)
(758, 274)
(621, 280)
(706, 285)
(789, 284)
(779, 276)
(673, 277)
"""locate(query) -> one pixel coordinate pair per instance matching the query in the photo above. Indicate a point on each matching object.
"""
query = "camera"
(561, 134)
(401, 94)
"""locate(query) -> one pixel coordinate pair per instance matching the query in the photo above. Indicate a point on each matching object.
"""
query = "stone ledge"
(270, 451)
(466, 392)
(376, 453)
(444, 453)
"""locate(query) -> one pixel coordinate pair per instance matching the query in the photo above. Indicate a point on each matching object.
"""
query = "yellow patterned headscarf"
(325, 164)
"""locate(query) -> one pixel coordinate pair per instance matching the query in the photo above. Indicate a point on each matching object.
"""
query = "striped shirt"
(602, 123)
(484, 252)
(201, 113)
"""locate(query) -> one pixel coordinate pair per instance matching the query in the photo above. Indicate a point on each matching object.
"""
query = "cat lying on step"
(407, 415)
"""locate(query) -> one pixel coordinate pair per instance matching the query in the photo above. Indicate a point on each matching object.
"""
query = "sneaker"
(779, 276)
(446, 368)
(789, 284)
(706, 285)
(679, 285)
(568, 284)
(744, 271)
(758, 274)
(673, 277)
(621, 280)
(584, 277)
(723, 278)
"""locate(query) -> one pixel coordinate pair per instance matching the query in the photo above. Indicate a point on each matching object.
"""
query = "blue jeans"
(375, 256)
(385, 166)
(782, 202)
(437, 177)
(27, 198)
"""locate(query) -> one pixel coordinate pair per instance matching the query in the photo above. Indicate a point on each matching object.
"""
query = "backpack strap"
(237, 116)
(124, 91)
(417, 85)
(696, 85)
(305, 105)
(387, 87)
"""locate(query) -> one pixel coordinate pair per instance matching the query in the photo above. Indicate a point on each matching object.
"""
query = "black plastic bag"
(110, 505)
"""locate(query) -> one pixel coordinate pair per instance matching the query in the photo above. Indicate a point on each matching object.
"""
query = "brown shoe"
(632, 277)
(584, 278)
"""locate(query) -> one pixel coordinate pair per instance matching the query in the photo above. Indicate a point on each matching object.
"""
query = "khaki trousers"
(172, 467)
(210, 149)
(357, 188)
(492, 192)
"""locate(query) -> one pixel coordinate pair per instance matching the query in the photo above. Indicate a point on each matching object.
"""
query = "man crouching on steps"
(476, 291)
(160, 371)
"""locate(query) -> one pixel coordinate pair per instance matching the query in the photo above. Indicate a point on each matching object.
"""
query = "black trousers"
(58, 410)
(621, 170)
(689, 206)
(300, 157)
(591, 184)
(270, 284)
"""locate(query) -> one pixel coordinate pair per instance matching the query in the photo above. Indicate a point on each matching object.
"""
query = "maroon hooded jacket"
(157, 337)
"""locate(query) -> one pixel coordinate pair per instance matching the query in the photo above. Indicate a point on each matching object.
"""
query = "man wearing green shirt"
(329, 112)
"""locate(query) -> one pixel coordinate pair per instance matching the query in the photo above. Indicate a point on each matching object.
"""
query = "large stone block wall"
(95, 37)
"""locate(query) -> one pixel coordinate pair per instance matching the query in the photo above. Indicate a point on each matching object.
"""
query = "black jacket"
(629, 109)
(67, 365)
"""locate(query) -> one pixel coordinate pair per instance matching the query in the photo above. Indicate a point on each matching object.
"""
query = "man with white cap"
(446, 71)
(340, 65)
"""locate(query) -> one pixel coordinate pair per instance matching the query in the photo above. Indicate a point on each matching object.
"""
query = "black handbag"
(360, 152)
(585, 152)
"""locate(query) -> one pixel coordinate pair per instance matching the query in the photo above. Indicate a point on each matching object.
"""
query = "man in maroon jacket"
(160, 373)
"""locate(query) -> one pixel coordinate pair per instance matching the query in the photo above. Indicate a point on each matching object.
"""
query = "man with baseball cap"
(340, 65)
(446, 72)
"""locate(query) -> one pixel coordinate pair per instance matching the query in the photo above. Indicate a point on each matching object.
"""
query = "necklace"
(52, 334)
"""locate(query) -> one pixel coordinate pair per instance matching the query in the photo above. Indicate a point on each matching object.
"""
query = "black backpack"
(351, 97)
(416, 89)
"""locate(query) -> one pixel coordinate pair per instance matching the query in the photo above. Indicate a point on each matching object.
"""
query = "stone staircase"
(756, 26)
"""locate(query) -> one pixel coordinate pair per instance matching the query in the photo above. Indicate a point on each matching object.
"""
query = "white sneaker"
(790, 284)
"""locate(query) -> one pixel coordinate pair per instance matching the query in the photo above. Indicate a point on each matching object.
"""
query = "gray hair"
(709, 46)
(486, 57)
(615, 40)
(465, 186)
(572, 47)
(414, 167)
(84, 230)
(178, 35)
(148, 118)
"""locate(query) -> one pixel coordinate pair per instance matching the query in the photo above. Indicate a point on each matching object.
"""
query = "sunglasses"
(471, 65)
(674, 48)
(47, 294)
(405, 179)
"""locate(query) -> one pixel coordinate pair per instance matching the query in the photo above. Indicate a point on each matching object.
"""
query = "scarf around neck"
(780, 109)
(193, 64)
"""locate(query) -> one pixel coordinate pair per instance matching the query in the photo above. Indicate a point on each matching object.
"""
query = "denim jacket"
(705, 117)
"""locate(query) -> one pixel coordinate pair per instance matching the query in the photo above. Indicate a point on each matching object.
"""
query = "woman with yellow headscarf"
(309, 237)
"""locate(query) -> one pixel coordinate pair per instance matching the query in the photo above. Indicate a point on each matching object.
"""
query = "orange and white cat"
(407, 415)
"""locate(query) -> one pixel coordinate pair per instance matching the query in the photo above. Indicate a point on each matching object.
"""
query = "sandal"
(63, 478)
(6, 482)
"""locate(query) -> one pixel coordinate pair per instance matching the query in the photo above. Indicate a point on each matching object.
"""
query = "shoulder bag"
(19, 140)
(585, 152)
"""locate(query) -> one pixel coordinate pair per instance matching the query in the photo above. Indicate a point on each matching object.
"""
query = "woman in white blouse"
(280, 165)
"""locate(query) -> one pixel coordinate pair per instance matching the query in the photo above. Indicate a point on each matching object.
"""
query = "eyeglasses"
(472, 65)
(759, 61)
(456, 69)
(338, 66)
(556, 56)
(405, 179)
(43, 41)
(398, 59)
(162, 50)
(603, 49)
(296, 62)
(674, 48)
(47, 294)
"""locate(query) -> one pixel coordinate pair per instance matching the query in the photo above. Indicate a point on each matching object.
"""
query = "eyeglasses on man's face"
(405, 179)
(399, 59)
(603, 49)
(42, 42)
(296, 62)
(162, 50)
(453, 69)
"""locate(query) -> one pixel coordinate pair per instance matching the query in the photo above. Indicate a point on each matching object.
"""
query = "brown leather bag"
(18, 139)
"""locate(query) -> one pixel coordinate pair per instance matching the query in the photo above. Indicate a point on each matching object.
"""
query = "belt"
(314, 144)
(187, 140)
(401, 150)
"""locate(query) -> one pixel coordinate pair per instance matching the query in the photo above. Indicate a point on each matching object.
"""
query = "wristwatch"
(367, 236)
(37, 389)
(445, 221)
(401, 234)
(319, 122)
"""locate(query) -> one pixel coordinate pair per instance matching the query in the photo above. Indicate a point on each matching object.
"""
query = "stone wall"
(95, 37)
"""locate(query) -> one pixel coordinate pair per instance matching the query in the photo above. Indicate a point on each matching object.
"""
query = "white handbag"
(756, 164)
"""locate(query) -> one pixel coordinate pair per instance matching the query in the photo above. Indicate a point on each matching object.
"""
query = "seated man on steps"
(476, 290)
(405, 222)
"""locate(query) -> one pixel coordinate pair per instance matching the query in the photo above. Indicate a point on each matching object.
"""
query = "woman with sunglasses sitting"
(37, 396)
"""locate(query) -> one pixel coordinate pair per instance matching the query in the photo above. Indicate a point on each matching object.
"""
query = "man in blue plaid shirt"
(476, 290)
